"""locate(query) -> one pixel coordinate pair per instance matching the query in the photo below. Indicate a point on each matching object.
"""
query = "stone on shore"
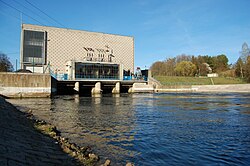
(129, 164)
(107, 163)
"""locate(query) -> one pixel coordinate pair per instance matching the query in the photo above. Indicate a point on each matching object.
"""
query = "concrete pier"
(116, 89)
(97, 89)
(77, 87)
(141, 87)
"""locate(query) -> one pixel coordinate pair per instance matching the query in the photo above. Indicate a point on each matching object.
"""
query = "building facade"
(75, 53)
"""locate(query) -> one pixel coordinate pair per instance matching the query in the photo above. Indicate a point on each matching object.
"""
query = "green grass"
(168, 80)
(227, 80)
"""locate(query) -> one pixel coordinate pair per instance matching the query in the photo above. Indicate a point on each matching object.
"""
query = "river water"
(153, 129)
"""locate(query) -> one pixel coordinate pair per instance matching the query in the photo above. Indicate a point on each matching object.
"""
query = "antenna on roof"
(21, 18)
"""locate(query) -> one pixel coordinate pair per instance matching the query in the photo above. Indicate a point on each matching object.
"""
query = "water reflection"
(104, 123)
(154, 129)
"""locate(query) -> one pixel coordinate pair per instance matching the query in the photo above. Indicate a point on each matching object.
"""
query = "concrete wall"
(222, 88)
(233, 88)
(26, 85)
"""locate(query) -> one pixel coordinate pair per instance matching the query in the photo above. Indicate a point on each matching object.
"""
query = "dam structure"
(77, 61)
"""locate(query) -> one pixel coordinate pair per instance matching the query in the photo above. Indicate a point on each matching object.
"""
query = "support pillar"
(131, 89)
(97, 89)
(116, 89)
(77, 87)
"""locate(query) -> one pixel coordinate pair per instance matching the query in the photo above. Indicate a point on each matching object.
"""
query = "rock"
(57, 138)
(29, 112)
(66, 150)
(64, 139)
(93, 157)
(74, 154)
(107, 163)
(83, 149)
(74, 147)
(87, 151)
(81, 157)
(42, 122)
(129, 164)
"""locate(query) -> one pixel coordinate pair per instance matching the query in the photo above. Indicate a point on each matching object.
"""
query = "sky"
(161, 28)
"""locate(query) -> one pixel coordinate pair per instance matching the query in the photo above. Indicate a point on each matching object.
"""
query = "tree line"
(190, 65)
(187, 65)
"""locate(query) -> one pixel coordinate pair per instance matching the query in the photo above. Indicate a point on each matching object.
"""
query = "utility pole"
(21, 42)
(21, 18)
(16, 64)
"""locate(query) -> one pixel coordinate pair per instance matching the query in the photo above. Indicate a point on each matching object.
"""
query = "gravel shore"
(22, 144)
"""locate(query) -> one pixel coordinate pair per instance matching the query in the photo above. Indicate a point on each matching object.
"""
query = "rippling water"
(154, 129)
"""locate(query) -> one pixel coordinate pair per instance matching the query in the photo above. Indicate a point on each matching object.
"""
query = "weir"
(93, 87)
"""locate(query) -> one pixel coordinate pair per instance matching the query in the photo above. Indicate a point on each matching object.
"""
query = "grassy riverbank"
(174, 80)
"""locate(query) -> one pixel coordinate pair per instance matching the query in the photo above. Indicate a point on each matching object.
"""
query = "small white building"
(212, 75)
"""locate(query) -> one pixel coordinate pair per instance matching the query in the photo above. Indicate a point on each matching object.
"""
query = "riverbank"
(233, 88)
(22, 144)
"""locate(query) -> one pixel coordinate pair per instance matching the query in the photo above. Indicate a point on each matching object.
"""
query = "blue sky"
(161, 28)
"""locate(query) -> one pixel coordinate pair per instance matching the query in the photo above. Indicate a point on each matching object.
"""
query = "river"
(153, 129)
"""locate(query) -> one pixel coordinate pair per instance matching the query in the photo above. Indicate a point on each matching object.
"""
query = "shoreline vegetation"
(26, 141)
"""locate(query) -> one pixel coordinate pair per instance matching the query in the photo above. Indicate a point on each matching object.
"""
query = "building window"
(96, 71)
(33, 47)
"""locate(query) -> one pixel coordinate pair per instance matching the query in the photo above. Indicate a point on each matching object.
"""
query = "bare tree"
(183, 57)
(245, 52)
(158, 68)
(5, 64)
(170, 65)
(239, 71)
(241, 64)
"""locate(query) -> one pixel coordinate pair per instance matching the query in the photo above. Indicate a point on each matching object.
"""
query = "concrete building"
(75, 54)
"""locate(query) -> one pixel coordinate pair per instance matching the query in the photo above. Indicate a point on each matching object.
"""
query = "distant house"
(212, 75)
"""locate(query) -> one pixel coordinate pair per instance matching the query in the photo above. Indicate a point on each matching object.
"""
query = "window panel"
(33, 47)
(96, 71)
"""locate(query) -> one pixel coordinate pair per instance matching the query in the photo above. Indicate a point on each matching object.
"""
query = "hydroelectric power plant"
(73, 61)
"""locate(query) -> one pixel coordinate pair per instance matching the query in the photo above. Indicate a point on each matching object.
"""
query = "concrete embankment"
(26, 85)
(234, 88)
(240, 88)
(22, 144)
